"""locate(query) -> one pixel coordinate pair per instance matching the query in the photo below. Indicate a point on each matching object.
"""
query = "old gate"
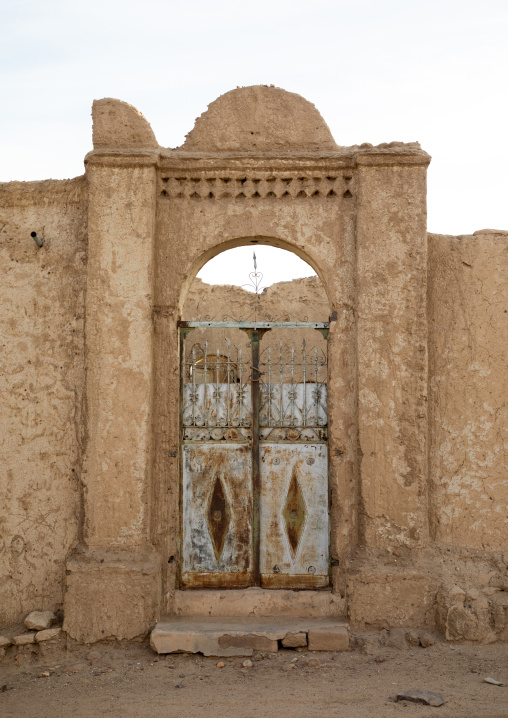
(254, 455)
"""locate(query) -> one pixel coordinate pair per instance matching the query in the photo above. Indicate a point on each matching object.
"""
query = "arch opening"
(206, 257)
(256, 281)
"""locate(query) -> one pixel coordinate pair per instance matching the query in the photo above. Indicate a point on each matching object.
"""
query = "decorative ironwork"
(255, 279)
(218, 393)
(294, 514)
(293, 393)
(219, 517)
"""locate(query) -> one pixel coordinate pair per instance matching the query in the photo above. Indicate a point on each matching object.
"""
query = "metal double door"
(254, 455)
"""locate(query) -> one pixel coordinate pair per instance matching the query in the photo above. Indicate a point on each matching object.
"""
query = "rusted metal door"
(294, 464)
(254, 462)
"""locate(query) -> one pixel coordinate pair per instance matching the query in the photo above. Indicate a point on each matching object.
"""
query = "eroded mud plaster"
(90, 368)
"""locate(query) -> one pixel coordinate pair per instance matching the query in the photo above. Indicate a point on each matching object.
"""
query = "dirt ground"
(131, 681)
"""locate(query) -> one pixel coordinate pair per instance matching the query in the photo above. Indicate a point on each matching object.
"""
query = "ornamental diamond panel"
(294, 514)
(218, 516)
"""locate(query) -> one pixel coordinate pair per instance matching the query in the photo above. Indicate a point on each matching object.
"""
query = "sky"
(433, 71)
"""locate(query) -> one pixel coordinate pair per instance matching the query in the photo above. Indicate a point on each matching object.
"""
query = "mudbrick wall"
(89, 513)
(468, 312)
(41, 386)
(42, 375)
(468, 389)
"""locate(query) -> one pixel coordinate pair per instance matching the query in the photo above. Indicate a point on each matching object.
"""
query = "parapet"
(117, 124)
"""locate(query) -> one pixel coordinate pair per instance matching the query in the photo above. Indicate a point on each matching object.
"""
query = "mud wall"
(468, 390)
(43, 370)
(302, 300)
(41, 382)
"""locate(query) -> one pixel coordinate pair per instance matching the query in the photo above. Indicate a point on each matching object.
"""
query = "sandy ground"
(131, 681)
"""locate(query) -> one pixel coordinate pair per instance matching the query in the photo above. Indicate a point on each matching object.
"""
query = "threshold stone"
(235, 636)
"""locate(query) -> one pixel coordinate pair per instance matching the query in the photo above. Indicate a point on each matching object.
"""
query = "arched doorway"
(253, 436)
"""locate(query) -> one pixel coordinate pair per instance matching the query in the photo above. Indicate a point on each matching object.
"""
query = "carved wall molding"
(238, 185)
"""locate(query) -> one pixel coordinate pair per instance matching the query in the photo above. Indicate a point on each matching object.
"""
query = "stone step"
(256, 601)
(234, 636)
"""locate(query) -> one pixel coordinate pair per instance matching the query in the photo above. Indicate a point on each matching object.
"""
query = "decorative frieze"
(238, 186)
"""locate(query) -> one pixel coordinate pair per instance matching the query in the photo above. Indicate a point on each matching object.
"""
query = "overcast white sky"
(435, 71)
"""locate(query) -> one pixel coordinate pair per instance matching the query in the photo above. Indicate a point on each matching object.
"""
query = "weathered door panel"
(294, 515)
(254, 457)
(217, 515)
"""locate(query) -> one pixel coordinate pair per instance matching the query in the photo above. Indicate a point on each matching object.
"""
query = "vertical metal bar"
(269, 418)
(316, 397)
(240, 390)
(182, 384)
(292, 403)
(228, 409)
(304, 387)
(193, 371)
(205, 412)
(281, 389)
(217, 390)
(256, 477)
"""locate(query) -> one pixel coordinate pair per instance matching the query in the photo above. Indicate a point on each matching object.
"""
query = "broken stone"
(40, 620)
(24, 639)
(220, 664)
(247, 664)
(397, 638)
(426, 697)
(464, 623)
(312, 662)
(4, 641)
(294, 640)
(427, 640)
(412, 637)
(47, 635)
(44, 674)
(334, 638)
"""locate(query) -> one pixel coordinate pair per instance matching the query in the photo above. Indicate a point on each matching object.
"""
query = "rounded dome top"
(260, 119)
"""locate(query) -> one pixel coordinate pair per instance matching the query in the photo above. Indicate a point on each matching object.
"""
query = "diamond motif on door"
(218, 517)
(294, 513)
